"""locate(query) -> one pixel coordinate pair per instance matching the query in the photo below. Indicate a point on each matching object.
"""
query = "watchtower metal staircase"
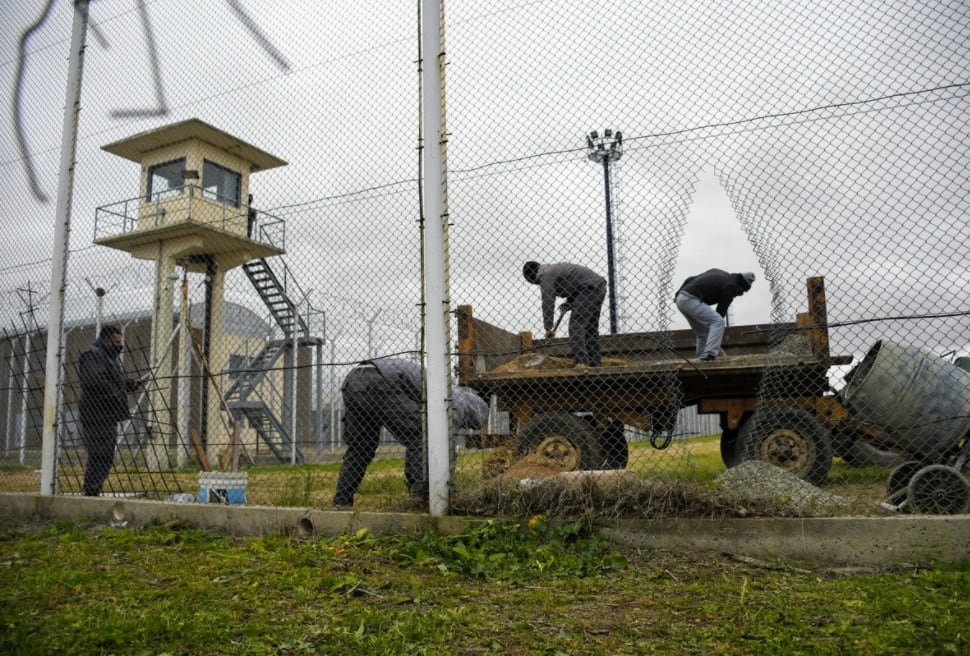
(243, 397)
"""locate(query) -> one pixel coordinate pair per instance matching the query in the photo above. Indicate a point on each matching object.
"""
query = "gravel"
(762, 480)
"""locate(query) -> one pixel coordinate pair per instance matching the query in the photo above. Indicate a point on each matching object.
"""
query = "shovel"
(539, 359)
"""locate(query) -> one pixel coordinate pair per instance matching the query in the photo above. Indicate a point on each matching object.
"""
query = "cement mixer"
(922, 403)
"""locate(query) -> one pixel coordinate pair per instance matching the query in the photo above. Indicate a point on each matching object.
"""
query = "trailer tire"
(730, 444)
(562, 438)
(729, 447)
(613, 446)
(788, 437)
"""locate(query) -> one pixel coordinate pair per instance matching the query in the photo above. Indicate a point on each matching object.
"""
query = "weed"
(545, 587)
(505, 551)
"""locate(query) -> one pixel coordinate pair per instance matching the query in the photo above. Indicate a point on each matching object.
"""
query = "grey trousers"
(584, 325)
(708, 325)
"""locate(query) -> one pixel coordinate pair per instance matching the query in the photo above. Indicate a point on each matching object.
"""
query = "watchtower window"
(165, 180)
(220, 183)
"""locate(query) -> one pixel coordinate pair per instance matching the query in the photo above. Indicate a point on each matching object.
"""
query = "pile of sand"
(536, 362)
(503, 463)
(532, 466)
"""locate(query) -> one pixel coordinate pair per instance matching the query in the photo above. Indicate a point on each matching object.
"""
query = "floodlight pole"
(606, 150)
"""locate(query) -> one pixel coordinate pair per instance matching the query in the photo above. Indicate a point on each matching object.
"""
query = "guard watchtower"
(193, 211)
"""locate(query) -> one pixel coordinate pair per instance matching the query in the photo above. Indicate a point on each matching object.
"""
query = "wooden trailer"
(771, 392)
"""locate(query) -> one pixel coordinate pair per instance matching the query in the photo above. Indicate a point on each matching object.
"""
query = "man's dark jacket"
(104, 386)
(716, 286)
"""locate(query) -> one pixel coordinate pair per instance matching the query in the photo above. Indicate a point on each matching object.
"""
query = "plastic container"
(921, 400)
(223, 487)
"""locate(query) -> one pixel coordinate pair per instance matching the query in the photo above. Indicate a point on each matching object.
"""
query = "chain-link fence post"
(65, 189)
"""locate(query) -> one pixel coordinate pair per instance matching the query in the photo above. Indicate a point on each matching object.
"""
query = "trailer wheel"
(790, 438)
(562, 438)
(730, 444)
(938, 490)
(729, 447)
(613, 446)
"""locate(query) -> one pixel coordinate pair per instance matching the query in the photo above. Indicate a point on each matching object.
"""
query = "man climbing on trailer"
(694, 300)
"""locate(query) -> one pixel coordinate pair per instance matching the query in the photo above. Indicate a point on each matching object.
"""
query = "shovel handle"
(562, 313)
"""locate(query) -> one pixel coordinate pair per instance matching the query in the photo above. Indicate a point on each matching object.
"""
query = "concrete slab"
(850, 541)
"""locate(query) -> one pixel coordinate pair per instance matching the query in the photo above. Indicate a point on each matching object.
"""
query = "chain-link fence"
(247, 212)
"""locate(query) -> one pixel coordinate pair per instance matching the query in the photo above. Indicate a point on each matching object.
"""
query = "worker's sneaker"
(343, 504)
(707, 358)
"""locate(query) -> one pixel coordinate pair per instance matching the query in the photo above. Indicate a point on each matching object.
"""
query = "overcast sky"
(814, 139)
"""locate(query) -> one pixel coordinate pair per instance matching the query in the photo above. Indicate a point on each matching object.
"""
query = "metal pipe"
(319, 407)
(333, 395)
(25, 402)
(294, 360)
(11, 379)
(433, 142)
(62, 235)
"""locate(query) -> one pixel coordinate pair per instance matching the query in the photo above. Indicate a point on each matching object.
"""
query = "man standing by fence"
(104, 403)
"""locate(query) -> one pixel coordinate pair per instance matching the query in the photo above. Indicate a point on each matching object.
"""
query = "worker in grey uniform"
(584, 291)
(386, 393)
(694, 300)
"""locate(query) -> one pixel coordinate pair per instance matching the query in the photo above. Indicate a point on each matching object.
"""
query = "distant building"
(22, 365)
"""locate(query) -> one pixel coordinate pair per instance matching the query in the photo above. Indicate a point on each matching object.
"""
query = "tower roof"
(135, 147)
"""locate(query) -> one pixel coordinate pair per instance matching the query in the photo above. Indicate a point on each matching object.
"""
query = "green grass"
(549, 589)
(696, 460)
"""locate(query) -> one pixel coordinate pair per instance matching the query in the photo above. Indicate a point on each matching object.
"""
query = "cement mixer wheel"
(562, 438)
(900, 476)
(788, 437)
(938, 490)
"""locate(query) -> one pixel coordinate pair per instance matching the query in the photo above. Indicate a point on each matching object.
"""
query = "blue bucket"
(223, 487)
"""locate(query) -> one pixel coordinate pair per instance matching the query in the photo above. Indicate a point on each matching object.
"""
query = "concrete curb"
(850, 541)
(847, 541)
